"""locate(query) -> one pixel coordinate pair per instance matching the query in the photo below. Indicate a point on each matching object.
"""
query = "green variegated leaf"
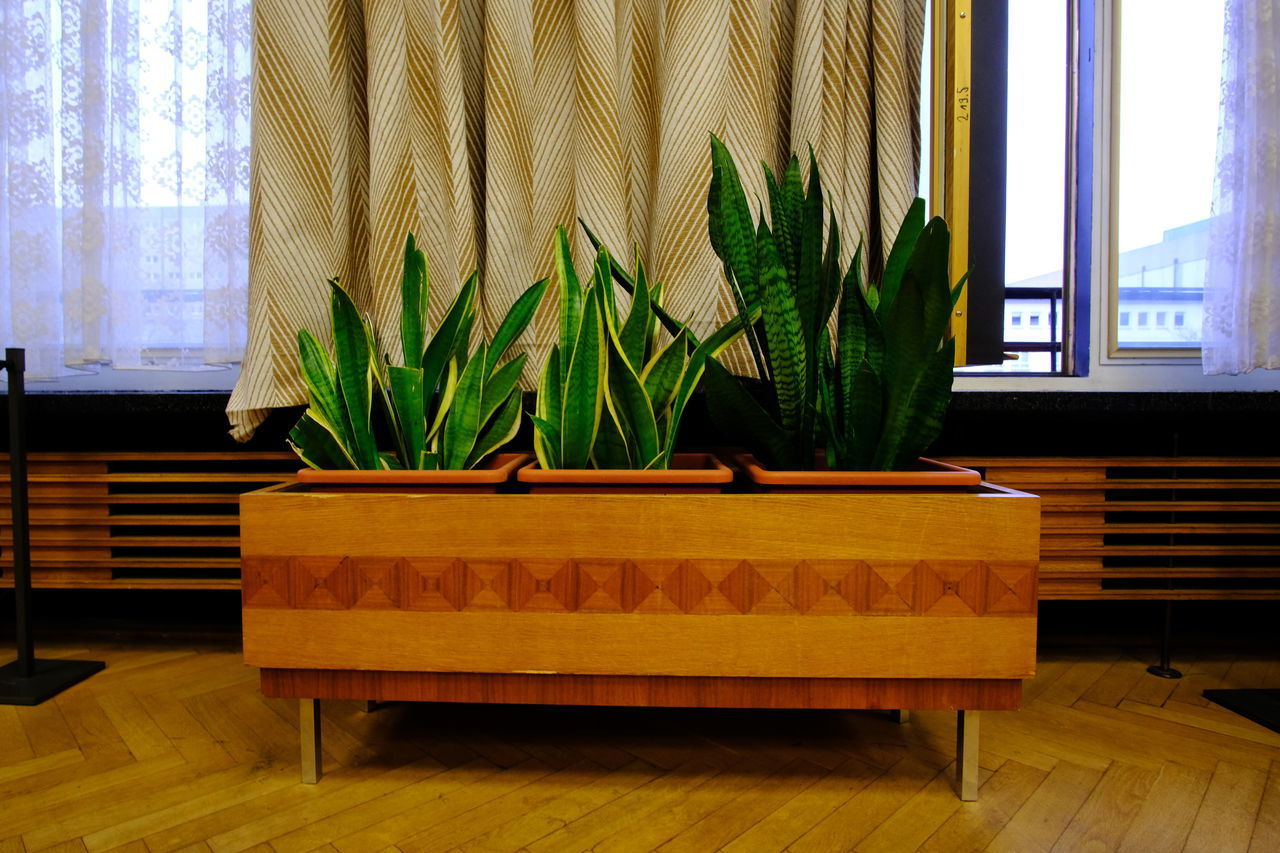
(413, 304)
(316, 444)
(500, 384)
(462, 426)
(500, 430)
(446, 402)
(612, 448)
(633, 407)
(571, 299)
(602, 280)
(450, 338)
(634, 335)
(355, 375)
(516, 321)
(663, 372)
(322, 385)
(584, 387)
(546, 443)
(410, 411)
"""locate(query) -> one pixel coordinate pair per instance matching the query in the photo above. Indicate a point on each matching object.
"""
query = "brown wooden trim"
(646, 691)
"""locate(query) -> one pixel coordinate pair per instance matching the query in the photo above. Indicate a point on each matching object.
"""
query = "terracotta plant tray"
(689, 472)
(495, 472)
(932, 474)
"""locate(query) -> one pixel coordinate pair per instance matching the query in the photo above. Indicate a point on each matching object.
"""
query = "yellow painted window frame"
(949, 107)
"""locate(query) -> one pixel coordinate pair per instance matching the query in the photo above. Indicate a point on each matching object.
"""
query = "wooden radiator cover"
(1152, 527)
(137, 520)
(1113, 528)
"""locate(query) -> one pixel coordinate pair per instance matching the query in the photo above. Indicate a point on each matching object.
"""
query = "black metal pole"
(28, 681)
(1164, 670)
(15, 366)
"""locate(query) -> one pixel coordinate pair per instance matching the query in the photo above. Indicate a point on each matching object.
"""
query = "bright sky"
(1172, 56)
(1170, 91)
(1037, 138)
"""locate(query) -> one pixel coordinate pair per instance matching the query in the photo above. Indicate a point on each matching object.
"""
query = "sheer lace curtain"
(1242, 293)
(125, 183)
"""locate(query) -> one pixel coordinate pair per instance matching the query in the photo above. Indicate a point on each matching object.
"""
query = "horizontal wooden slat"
(135, 521)
(1052, 505)
(1170, 529)
(131, 583)
(126, 499)
(1147, 484)
(163, 477)
(1018, 462)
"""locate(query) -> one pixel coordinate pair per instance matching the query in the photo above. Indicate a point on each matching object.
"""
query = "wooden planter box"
(907, 601)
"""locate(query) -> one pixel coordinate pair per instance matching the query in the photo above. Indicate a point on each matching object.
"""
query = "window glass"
(1169, 65)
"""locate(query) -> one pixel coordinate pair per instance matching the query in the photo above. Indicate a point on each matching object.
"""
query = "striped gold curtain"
(482, 124)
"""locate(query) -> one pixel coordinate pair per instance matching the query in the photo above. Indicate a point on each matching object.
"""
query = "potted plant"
(447, 406)
(855, 408)
(612, 392)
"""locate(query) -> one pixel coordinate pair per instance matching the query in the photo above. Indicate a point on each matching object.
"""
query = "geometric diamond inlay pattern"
(694, 586)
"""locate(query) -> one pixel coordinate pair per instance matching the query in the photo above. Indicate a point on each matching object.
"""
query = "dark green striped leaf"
(786, 339)
(903, 245)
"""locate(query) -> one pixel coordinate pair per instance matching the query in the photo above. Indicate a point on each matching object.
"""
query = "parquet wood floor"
(173, 748)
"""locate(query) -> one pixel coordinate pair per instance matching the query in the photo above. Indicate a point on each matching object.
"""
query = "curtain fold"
(482, 124)
(1241, 329)
(124, 182)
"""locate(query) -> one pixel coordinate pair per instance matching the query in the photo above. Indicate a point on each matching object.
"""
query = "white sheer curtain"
(1242, 290)
(125, 184)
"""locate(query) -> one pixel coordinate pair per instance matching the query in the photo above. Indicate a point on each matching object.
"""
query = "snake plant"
(875, 396)
(614, 389)
(447, 406)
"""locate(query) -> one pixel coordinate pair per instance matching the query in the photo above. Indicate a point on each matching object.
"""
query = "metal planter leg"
(309, 729)
(967, 755)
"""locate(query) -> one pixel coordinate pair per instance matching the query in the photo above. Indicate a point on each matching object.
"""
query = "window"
(1165, 100)
(1015, 319)
(140, 263)
(1035, 319)
(1124, 318)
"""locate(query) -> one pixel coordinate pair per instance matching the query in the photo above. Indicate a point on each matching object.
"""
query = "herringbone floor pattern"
(173, 748)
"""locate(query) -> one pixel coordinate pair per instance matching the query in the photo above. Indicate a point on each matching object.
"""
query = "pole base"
(1164, 671)
(51, 678)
